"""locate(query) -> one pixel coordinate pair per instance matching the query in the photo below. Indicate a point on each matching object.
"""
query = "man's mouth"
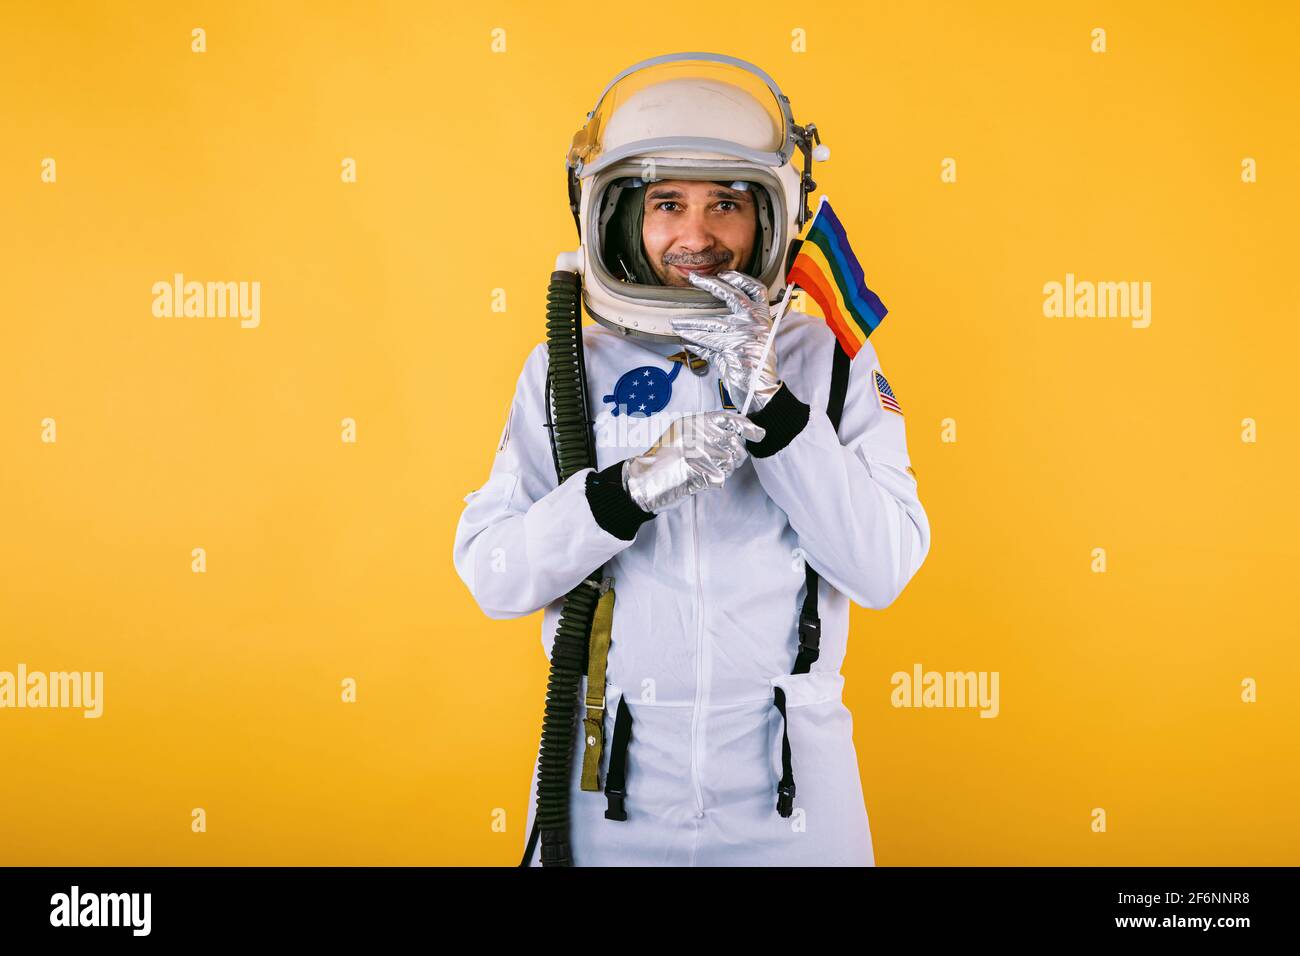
(702, 270)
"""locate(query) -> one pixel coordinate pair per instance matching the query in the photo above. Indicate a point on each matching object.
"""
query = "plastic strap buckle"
(785, 800)
(810, 635)
(616, 810)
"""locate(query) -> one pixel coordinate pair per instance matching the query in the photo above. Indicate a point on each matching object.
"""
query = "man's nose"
(695, 234)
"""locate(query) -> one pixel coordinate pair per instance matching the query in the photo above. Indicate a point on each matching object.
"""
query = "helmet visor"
(735, 217)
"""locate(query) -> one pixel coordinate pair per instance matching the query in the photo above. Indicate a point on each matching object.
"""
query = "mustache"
(696, 259)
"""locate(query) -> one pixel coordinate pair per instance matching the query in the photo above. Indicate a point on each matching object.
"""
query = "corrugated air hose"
(573, 447)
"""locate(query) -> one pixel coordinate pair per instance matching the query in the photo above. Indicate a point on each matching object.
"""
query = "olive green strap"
(594, 722)
(695, 363)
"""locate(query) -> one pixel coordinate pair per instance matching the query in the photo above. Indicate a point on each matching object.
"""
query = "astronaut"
(708, 523)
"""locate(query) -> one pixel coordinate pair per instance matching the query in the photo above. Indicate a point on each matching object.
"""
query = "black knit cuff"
(783, 418)
(611, 505)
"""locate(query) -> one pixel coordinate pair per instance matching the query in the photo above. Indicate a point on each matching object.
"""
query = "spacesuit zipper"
(700, 670)
(699, 658)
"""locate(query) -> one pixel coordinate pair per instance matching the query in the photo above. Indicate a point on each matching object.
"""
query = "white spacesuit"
(707, 559)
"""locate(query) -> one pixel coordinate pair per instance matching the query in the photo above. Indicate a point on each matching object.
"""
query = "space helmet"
(682, 116)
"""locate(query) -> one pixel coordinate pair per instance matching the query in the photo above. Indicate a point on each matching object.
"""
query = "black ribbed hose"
(573, 447)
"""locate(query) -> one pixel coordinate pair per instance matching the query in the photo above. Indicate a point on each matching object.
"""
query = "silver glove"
(735, 344)
(695, 452)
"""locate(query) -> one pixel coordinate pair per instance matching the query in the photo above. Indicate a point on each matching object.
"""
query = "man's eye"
(729, 202)
(667, 203)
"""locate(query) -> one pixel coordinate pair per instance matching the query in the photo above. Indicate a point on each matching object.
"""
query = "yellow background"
(328, 560)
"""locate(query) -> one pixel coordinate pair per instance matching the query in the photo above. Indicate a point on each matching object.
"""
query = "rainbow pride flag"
(826, 268)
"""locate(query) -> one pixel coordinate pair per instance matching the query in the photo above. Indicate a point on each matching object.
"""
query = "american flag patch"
(885, 393)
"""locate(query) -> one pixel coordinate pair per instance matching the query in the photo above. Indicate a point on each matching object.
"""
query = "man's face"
(693, 226)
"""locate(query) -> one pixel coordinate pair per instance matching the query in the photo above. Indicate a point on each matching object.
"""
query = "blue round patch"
(643, 390)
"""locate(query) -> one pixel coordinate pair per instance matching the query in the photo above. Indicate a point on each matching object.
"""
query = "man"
(703, 520)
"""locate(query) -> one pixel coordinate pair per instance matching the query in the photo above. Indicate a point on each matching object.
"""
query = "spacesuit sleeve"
(523, 539)
(851, 497)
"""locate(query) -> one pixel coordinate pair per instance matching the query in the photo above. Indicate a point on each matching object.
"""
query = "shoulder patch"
(885, 393)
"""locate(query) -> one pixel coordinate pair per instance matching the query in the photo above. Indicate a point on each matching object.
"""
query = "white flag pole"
(767, 346)
(789, 289)
(785, 302)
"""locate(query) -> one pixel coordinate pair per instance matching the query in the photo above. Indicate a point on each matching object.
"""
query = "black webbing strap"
(839, 385)
(785, 789)
(810, 625)
(616, 775)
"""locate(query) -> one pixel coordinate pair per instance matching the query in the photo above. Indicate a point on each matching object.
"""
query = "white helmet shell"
(693, 107)
(696, 116)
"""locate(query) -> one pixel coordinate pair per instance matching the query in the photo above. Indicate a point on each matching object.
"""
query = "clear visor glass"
(762, 127)
(728, 221)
